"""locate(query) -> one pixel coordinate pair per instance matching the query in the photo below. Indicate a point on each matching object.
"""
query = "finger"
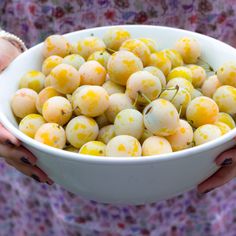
(17, 154)
(7, 138)
(226, 158)
(32, 171)
(4, 61)
(8, 53)
(221, 177)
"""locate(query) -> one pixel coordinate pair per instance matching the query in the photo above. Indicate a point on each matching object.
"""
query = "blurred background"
(33, 20)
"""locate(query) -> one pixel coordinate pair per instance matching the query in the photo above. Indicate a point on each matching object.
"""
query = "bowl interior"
(213, 51)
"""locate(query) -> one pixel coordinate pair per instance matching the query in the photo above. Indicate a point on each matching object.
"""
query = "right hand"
(8, 53)
(19, 157)
(10, 148)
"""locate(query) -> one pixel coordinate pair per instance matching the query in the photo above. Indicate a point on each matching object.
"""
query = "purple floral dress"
(31, 209)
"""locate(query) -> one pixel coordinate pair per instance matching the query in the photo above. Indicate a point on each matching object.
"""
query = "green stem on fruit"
(206, 65)
(144, 96)
(180, 109)
(110, 50)
(191, 143)
(166, 89)
(177, 90)
(148, 110)
(171, 88)
(76, 108)
(135, 101)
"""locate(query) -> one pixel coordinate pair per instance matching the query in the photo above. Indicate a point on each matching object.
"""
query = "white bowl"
(121, 180)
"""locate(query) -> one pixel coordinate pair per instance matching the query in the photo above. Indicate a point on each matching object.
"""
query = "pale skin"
(15, 154)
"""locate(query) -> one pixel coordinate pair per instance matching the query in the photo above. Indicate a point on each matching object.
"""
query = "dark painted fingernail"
(227, 162)
(207, 191)
(8, 142)
(35, 177)
(49, 183)
(25, 160)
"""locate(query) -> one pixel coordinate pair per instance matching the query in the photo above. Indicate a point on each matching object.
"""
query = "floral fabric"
(31, 209)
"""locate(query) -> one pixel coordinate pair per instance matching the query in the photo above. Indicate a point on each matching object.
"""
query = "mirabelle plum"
(206, 133)
(161, 61)
(81, 130)
(56, 45)
(158, 73)
(91, 100)
(196, 93)
(129, 122)
(227, 73)
(202, 110)
(92, 73)
(33, 80)
(89, 45)
(189, 49)
(112, 87)
(143, 83)
(174, 56)
(179, 98)
(23, 102)
(182, 72)
(100, 56)
(57, 109)
(155, 145)
(106, 133)
(30, 124)
(49, 63)
(139, 48)
(223, 127)
(210, 85)
(198, 75)
(225, 97)
(183, 138)
(117, 103)
(114, 37)
(227, 119)
(93, 148)
(74, 60)
(44, 95)
(102, 120)
(181, 83)
(65, 78)
(150, 43)
(52, 135)
(121, 65)
(161, 118)
(123, 146)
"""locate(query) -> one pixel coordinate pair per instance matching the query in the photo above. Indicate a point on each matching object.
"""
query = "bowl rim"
(119, 160)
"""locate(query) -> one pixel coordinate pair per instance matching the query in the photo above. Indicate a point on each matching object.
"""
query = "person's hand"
(10, 148)
(19, 157)
(227, 162)
(8, 53)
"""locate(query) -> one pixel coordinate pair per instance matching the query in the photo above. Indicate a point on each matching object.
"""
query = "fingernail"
(207, 191)
(25, 160)
(35, 177)
(49, 182)
(227, 162)
(8, 142)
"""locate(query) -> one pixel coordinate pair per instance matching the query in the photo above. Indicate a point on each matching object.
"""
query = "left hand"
(227, 162)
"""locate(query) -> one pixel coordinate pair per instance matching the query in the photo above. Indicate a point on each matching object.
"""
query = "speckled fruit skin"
(161, 117)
